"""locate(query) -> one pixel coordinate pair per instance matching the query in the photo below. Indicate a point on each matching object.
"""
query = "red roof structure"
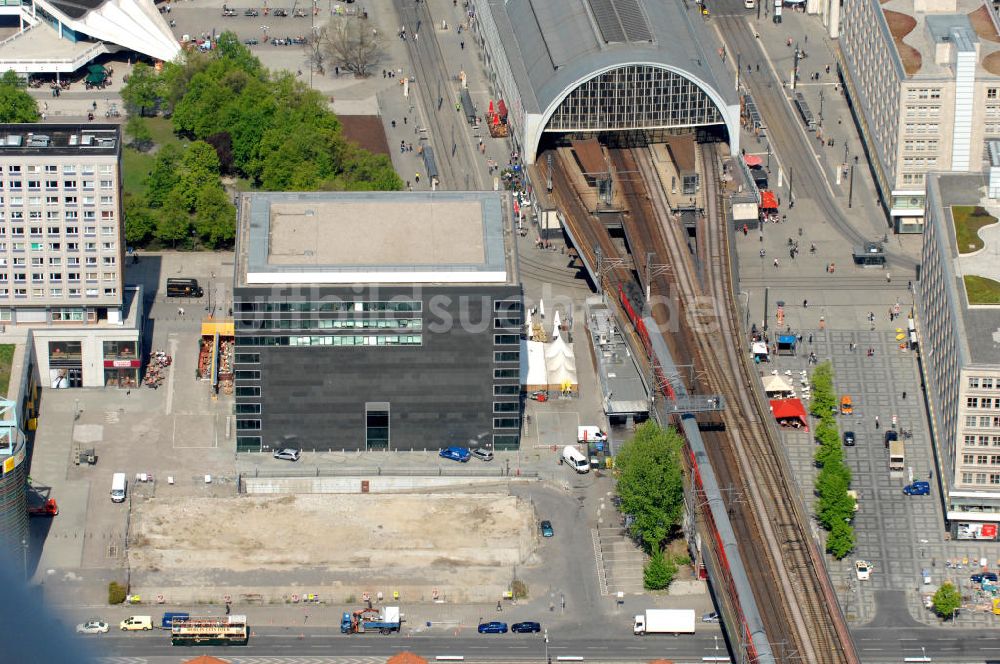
(768, 201)
(786, 410)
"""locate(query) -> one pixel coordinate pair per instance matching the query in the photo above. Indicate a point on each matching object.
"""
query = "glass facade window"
(377, 426)
(635, 97)
(65, 350)
(248, 443)
(120, 350)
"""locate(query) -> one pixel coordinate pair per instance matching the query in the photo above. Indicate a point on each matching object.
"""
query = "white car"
(863, 569)
(288, 454)
(92, 627)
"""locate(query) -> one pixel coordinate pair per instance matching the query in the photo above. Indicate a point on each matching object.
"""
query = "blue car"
(917, 489)
(989, 577)
(495, 627)
(456, 453)
(546, 527)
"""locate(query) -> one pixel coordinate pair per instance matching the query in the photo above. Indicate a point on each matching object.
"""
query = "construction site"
(334, 547)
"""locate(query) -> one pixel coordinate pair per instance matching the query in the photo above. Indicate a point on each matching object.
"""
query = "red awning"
(768, 201)
(502, 109)
(752, 160)
(790, 409)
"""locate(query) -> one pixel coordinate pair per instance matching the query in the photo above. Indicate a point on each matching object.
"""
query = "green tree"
(947, 600)
(215, 216)
(140, 224)
(144, 89)
(650, 482)
(840, 542)
(16, 105)
(164, 177)
(142, 137)
(173, 224)
(659, 571)
(199, 166)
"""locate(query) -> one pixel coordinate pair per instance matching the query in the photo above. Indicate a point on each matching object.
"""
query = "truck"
(897, 456)
(385, 621)
(664, 621)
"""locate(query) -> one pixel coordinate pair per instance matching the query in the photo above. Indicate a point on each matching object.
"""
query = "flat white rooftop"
(374, 237)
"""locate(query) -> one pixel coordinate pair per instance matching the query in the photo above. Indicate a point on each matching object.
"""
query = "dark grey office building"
(377, 320)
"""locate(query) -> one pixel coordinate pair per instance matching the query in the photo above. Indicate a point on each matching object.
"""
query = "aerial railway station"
(627, 120)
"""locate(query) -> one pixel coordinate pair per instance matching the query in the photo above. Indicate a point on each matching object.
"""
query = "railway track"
(793, 593)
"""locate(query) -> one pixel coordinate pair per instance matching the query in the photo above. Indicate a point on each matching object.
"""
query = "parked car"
(983, 576)
(251, 12)
(525, 627)
(251, 42)
(546, 528)
(229, 12)
(494, 627)
(287, 454)
(455, 453)
(863, 569)
(92, 627)
(917, 489)
(846, 405)
(482, 455)
(890, 436)
(849, 438)
(712, 617)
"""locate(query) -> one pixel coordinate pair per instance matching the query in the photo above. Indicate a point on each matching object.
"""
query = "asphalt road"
(874, 645)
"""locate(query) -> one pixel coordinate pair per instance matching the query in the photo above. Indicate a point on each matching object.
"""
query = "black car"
(849, 438)
(525, 627)
(251, 12)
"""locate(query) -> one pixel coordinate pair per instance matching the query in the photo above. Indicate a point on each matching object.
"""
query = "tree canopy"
(16, 105)
(650, 483)
(947, 600)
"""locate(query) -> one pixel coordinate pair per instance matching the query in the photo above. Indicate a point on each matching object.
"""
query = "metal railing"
(499, 472)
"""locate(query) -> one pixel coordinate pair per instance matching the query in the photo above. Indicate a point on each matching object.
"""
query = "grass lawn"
(162, 131)
(135, 167)
(982, 290)
(6, 357)
(968, 220)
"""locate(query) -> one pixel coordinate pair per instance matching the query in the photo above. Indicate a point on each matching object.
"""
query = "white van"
(118, 484)
(590, 434)
(134, 623)
(576, 459)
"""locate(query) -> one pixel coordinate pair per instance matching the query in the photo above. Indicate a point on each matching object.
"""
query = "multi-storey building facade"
(923, 81)
(376, 321)
(960, 360)
(62, 252)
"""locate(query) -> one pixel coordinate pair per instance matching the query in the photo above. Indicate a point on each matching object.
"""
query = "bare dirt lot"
(414, 539)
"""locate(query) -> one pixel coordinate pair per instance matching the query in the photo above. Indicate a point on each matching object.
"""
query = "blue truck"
(385, 621)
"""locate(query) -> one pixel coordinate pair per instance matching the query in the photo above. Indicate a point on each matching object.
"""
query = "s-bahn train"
(632, 300)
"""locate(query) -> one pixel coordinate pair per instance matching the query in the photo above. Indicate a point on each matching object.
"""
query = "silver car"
(483, 455)
(92, 627)
(288, 454)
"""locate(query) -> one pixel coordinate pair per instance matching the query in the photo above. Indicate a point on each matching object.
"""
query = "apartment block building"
(376, 321)
(923, 81)
(62, 253)
(959, 337)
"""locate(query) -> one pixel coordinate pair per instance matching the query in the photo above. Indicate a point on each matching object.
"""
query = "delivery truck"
(897, 456)
(664, 621)
(590, 434)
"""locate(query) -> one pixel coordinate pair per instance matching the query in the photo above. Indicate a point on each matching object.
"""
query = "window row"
(50, 184)
(982, 459)
(57, 200)
(982, 402)
(58, 292)
(66, 169)
(981, 478)
(55, 277)
(51, 261)
(981, 441)
(72, 229)
(332, 304)
(984, 383)
(982, 421)
(330, 324)
(334, 340)
(56, 246)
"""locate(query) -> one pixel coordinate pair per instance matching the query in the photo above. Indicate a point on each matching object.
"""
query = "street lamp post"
(547, 660)
(24, 557)
(820, 108)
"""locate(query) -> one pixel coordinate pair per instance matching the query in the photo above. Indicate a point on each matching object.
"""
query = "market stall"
(215, 354)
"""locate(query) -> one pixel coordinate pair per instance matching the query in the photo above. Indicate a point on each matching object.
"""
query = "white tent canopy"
(533, 371)
(776, 385)
(560, 365)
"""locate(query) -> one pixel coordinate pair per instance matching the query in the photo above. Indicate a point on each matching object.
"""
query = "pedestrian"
(385, 74)
(404, 119)
(810, 338)
(746, 230)
(180, 311)
(416, 178)
(499, 606)
(876, 422)
(462, 45)
(393, 124)
(888, 278)
(775, 262)
(805, 304)
(930, 475)
(904, 394)
(854, 346)
(758, 66)
(763, 253)
(227, 608)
